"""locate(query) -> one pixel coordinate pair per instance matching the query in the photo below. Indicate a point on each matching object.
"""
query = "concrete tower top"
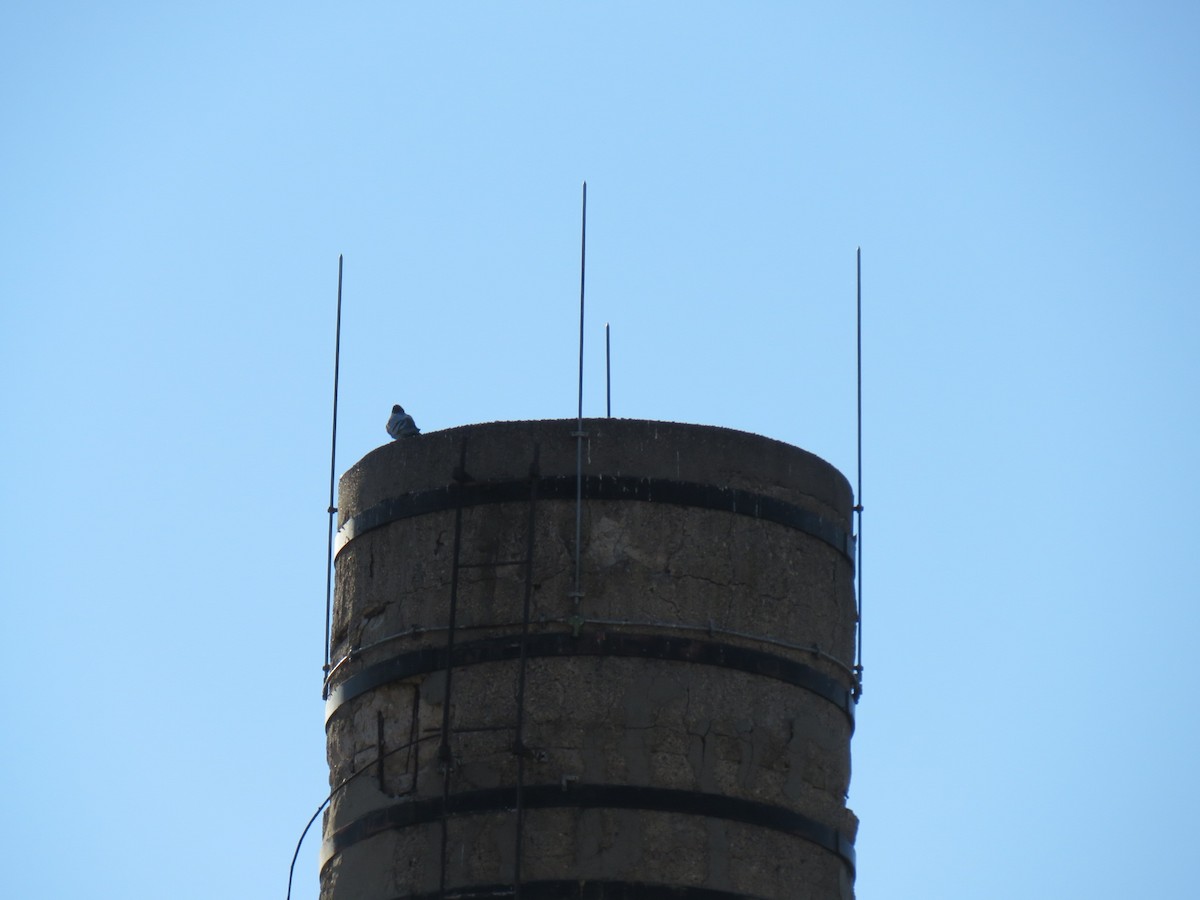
(673, 451)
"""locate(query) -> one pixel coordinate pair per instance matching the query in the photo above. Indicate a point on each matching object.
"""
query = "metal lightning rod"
(337, 355)
(579, 423)
(582, 274)
(607, 371)
(858, 508)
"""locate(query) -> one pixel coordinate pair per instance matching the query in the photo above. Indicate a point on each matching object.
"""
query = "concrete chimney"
(661, 710)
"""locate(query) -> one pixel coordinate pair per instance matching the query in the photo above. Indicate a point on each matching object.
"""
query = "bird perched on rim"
(400, 424)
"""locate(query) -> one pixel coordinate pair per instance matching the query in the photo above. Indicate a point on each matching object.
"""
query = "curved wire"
(303, 835)
(327, 800)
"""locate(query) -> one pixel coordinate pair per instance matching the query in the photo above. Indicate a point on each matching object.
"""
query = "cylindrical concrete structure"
(661, 710)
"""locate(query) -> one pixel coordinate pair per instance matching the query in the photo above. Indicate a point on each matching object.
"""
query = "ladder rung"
(487, 565)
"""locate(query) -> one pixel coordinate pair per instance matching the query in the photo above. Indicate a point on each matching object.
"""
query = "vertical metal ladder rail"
(520, 751)
(445, 757)
(519, 748)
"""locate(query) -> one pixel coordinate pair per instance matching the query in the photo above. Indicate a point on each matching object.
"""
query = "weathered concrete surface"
(647, 569)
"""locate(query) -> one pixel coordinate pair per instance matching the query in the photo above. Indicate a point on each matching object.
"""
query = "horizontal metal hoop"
(579, 889)
(596, 643)
(600, 487)
(589, 796)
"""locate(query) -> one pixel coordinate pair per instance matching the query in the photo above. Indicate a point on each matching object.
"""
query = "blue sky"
(177, 181)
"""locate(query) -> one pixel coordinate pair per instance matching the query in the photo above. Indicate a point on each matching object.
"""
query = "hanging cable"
(408, 745)
(303, 835)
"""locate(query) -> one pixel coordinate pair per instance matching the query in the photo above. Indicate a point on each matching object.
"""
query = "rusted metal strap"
(582, 889)
(595, 643)
(592, 796)
(601, 487)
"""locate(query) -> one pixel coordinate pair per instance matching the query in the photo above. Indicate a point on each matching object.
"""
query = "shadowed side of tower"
(678, 727)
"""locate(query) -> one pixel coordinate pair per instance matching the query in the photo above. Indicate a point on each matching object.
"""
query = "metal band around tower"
(584, 890)
(591, 796)
(597, 643)
(601, 487)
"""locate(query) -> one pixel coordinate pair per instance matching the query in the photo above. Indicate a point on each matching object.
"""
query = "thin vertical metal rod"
(607, 371)
(579, 424)
(582, 279)
(519, 741)
(445, 756)
(337, 356)
(858, 508)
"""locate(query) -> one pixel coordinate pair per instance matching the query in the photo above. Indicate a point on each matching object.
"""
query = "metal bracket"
(576, 622)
